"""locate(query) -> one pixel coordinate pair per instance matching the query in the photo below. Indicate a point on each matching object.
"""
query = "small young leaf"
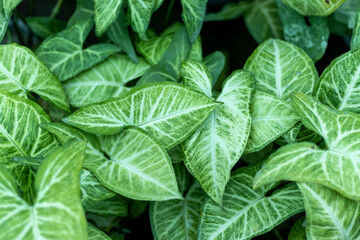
(229, 12)
(215, 63)
(63, 52)
(314, 7)
(25, 73)
(193, 15)
(169, 112)
(329, 215)
(247, 213)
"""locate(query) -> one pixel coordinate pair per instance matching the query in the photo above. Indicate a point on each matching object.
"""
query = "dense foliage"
(111, 120)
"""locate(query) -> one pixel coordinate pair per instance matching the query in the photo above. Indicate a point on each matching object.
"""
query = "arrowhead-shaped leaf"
(106, 11)
(6, 8)
(177, 219)
(64, 55)
(247, 213)
(340, 83)
(57, 212)
(84, 9)
(329, 215)
(193, 15)
(314, 7)
(169, 112)
(104, 81)
(336, 167)
(21, 72)
(218, 143)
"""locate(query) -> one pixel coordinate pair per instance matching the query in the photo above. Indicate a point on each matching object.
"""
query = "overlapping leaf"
(314, 7)
(45, 26)
(218, 143)
(355, 38)
(6, 8)
(247, 213)
(329, 215)
(336, 167)
(84, 10)
(229, 12)
(57, 212)
(96, 234)
(21, 72)
(106, 11)
(177, 219)
(298, 231)
(116, 206)
(167, 111)
(64, 55)
(193, 15)
(347, 12)
(104, 81)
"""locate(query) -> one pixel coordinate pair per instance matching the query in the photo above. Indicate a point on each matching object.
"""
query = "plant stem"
(56, 9)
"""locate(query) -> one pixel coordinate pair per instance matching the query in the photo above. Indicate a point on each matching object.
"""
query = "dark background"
(230, 37)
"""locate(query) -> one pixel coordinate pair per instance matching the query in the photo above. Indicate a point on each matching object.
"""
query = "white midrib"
(11, 140)
(277, 72)
(35, 228)
(213, 151)
(233, 219)
(269, 19)
(354, 78)
(8, 74)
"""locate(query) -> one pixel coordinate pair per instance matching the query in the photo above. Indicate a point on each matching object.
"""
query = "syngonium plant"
(104, 118)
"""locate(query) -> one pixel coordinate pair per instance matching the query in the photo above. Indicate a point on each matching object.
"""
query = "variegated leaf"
(96, 234)
(355, 38)
(247, 213)
(314, 7)
(106, 11)
(215, 63)
(336, 167)
(115, 206)
(329, 215)
(169, 112)
(64, 55)
(21, 72)
(104, 81)
(193, 15)
(6, 8)
(298, 231)
(84, 9)
(57, 212)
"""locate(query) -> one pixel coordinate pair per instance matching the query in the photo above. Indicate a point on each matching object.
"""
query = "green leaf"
(106, 11)
(247, 213)
(140, 12)
(193, 15)
(177, 219)
(21, 72)
(104, 81)
(281, 69)
(335, 167)
(137, 208)
(167, 111)
(119, 34)
(229, 12)
(298, 231)
(96, 234)
(270, 118)
(84, 10)
(215, 63)
(6, 8)
(138, 167)
(57, 212)
(347, 12)
(168, 69)
(262, 20)
(116, 206)
(64, 55)
(197, 76)
(314, 7)
(45, 26)
(355, 39)
(216, 146)
(183, 177)
(312, 39)
(339, 84)
(196, 50)
(176, 154)
(329, 215)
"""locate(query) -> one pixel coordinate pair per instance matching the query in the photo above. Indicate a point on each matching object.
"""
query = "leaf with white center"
(355, 38)
(215, 63)
(169, 112)
(298, 231)
(329, 215)
(106, 11)
(138, 167)
(45, 26)
(168, 69)
(314, 7)
(104, 81)
(229, 12)
(347, 12)
(193, 15)
(339, 84)
(6, 8)
(21, 72)
(140, 12)
(336, 167)
(119, 34)
(197, 76)
(177, 219)
(271, 118)
(247, 213)
(84, 9)
(281, 69)
(216, 146)
(95, 233)
(115, 206)
(64, 55)
(312, 39)
(262, 20)
(57, 212)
